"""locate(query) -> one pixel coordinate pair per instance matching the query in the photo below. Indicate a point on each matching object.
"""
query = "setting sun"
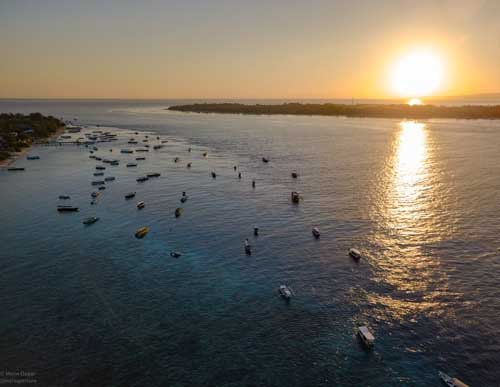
(417, 74)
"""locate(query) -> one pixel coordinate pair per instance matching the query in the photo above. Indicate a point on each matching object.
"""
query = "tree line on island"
(402, 111)
(18, 131)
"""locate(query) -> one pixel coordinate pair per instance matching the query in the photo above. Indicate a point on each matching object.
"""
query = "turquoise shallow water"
(96, 306)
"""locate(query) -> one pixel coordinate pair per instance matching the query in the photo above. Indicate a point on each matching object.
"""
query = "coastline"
(398, 111)
(15, 156)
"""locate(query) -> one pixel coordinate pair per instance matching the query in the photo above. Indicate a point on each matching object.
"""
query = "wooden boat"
(285, 292)
(67, 209)
(366, 336)
(178, 212)
(90, 220)
(141, 232)
(354, 253)
(451, 382)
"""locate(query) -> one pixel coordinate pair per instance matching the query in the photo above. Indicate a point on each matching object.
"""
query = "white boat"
(366, 336)
(285, 292)
(140, 205)
(354, 253)
(451, 382)
(315, 232)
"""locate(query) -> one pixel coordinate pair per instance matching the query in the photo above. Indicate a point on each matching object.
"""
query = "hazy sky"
(239, 49)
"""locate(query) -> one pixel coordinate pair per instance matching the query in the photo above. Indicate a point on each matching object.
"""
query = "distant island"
(402, 111)
(19, 131)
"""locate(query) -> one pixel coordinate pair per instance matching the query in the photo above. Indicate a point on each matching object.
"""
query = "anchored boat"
(285, 292)
(141, 232)
(90, 220)
(451, 382)
(354, 253)
(366, 336)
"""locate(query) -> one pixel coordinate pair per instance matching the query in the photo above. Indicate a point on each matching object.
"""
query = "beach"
(17, 155)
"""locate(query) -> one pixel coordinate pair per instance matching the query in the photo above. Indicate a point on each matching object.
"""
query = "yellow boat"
(141, 233)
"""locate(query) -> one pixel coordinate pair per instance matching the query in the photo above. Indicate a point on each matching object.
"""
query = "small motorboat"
(131, 165)
(253, 183)
(98, 158)
(214, 175)
(354, 253)
(141, 232)
(315, 232)
(142, 179)
(178, 212)
(235, 167)
(147, 146)
(366, 336)
(102, 188)
(176, 160)
(451, 382)
(130, 195)
(115, 162)
(98, 182)
(98, 173)
(100, 167)
(140, 205)
(145, 140)
(132, 142)
(15, 169)
(184, 199)
(140, 158)
(109, 178)
(126, 151)
(175, 254)
(155, 147)
(256, 231)
(164, 141)
(156, 174)
(205, 154)
(67, 209)
(295, 175)
(189, 149)
(239, 175)
(64, 197)
(265, 160)
(157, 137)
(285, 292)
(91, 157)
(90, 220)
(188, 165)
(33, 158)
(95, 194)
(295, 197)
(142, 150)
(248, 247)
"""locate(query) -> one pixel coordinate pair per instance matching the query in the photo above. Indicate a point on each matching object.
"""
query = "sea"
(96, 306)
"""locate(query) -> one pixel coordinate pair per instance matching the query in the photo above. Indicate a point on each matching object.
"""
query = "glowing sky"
(240, 49)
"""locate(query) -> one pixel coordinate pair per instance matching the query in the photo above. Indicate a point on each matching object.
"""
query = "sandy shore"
(14, 156)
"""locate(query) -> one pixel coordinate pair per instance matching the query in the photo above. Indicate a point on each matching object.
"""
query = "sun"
(417, 74)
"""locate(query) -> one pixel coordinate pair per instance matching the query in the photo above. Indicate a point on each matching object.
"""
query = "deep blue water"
(95, 306)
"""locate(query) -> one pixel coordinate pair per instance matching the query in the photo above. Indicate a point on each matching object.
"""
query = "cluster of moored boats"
(286, 292)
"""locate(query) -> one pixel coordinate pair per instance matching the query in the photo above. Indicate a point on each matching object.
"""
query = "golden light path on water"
(406, 210)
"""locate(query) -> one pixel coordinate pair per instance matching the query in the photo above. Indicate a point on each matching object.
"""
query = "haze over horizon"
(265, 50)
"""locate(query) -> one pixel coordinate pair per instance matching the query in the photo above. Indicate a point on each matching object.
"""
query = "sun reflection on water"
(405, 211)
